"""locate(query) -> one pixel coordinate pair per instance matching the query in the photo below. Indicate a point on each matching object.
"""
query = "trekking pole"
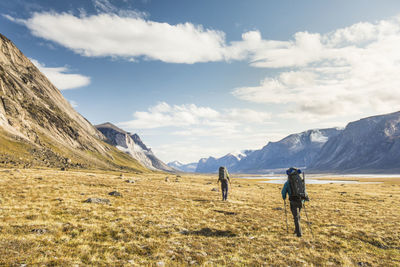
(308, 221)
(287, 226)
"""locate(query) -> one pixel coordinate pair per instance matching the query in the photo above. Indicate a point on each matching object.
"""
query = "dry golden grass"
(44, 221)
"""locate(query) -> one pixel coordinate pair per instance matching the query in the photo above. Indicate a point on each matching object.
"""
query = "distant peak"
(109, 125)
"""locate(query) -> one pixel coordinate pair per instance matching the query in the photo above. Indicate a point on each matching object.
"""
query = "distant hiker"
(296, 189)
(224, 179)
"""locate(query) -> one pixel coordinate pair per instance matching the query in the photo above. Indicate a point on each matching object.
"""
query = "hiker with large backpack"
(295, 187)
(224, 178)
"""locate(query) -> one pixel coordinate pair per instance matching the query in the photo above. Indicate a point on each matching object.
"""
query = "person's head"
(291, 170)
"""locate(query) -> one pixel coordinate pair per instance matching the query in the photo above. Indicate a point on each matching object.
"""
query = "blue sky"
(205, 78)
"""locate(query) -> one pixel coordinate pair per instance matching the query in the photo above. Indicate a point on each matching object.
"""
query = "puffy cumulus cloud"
(186, 132)
(61, 78)
(190, 118)
(353, 70)
(128, 36)
(165, 115)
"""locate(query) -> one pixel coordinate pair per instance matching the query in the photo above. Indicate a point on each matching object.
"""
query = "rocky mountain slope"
(190, 167)
(38, 127)
(367, 145)
(298, 149)
(132, 145)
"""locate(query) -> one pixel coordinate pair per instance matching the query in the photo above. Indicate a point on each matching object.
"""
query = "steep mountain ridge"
(368, 145)
(298, 149)
(37, 119)
(132, 145)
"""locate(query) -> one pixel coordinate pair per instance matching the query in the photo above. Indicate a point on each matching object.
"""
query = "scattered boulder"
(214, 189)
(39, 231)
(277, 208)
(97, 200)
(115, 194)
(167, 179)
(130, 181)
(160, 264)
(361, 263)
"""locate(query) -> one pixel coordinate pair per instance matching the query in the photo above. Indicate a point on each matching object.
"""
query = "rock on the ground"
(39, 231)
(115, 194)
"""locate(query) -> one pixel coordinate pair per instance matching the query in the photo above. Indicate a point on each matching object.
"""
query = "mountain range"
(190, 167)
(369, 145)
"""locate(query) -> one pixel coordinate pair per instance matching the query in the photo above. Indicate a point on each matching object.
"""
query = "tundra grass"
(180, 221)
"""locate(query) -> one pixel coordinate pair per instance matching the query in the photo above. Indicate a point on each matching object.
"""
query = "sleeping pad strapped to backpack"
(297, 185)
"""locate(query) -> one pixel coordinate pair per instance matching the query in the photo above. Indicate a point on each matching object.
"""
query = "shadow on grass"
(226, 212)
(201, 200)
(211, 232)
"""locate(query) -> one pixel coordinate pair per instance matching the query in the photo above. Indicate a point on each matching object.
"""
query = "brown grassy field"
(44, 221)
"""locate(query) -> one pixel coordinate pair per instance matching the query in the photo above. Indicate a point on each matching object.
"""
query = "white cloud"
(189, 115)
(61, 78)
(187, 132)
(165, 115)
(353, 70)
(129, 36)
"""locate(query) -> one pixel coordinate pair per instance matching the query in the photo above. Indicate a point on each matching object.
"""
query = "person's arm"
(285, 190)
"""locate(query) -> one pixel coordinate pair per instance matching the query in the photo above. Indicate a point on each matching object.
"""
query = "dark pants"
(295, 208)
(224, 189)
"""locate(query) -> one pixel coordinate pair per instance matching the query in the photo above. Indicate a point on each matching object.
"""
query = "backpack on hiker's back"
(223, 177)
(297, 184)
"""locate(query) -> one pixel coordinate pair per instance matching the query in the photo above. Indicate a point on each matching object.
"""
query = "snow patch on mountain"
(318, 137)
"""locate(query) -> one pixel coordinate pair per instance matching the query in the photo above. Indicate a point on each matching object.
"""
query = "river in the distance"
(313, 178)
